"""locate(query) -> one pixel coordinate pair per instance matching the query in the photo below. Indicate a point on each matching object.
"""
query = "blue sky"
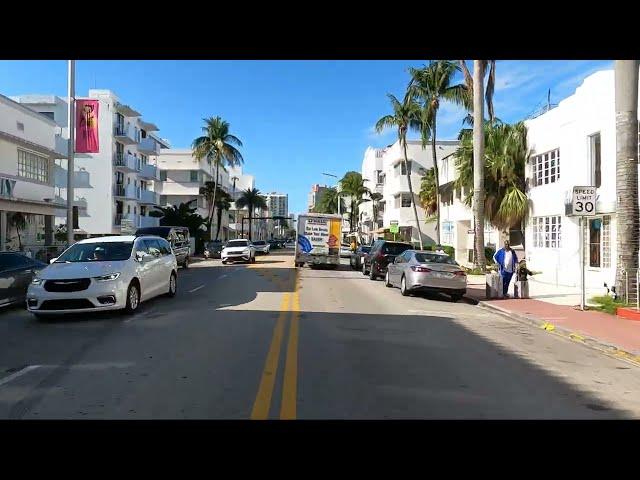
(296, 119)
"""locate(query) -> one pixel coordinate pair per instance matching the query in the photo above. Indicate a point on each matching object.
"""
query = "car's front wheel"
(133, 299)
(173, 285)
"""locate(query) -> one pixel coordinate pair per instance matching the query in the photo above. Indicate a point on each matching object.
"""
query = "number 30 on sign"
(584, 201)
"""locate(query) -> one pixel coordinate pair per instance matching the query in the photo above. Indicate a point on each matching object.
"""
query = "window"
(194, 175)
(135, 210)
(546, 167)
(128, 208)
(447, 232)
(49, 115)
(595, 154)
(153, 247)
(143, 159)
(163, 175)
(96, 252)
(547, 232)
(598, 242)
(400, 168)
(33, 166)
(405, 200)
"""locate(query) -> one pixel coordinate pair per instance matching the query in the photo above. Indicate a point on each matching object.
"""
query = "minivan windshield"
(395, 248)
(238, 243)
(96, 252)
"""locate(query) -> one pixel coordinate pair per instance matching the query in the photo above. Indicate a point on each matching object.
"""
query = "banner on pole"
(87, 126)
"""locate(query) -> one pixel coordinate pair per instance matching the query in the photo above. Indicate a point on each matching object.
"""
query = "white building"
(277, 206)
(29, 145)
(384, 172)
(574, 144)
(114, 189)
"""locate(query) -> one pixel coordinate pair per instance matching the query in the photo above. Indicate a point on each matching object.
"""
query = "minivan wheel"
(133, 299)
(173, 285)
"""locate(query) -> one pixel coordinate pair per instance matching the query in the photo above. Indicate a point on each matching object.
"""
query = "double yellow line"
(290, 305)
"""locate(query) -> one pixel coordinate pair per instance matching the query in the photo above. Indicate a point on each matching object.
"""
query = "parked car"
(104, 273)
(275, 244)
(213, 249)
(261, 246)
(16, 272)
(417, 270)
(382, 253)
(290, 244)
(356, 257)
(345, 251)
(178, 237)
(240, 250)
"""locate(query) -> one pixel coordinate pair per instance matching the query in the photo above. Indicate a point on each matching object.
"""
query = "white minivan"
(104, 273)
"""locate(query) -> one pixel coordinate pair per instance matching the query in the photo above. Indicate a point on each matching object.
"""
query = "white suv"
(105, 273)
(238, 250)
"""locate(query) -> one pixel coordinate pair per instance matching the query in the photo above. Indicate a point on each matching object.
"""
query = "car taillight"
(460, 274)
(420, 269)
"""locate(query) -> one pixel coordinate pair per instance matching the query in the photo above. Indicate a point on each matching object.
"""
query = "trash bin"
(493, 287)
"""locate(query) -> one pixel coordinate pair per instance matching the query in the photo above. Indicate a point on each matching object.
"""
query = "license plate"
(442, 275)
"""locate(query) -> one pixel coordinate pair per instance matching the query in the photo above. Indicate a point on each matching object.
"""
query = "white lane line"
(17, 374)
(196, 289)
(223, 276)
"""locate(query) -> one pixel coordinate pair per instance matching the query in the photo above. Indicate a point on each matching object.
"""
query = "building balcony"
(124, 134)
(128, 192)
(148, 197)
(81, 203)
(126, 162)
(149, 172)
(126, 217)
(148, 146)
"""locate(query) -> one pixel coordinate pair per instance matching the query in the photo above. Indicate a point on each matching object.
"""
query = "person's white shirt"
(508, 261)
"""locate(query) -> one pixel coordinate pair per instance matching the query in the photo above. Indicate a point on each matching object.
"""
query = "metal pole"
(582, 263)
(71, 120)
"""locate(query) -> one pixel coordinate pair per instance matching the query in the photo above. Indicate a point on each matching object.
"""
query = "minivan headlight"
(107, 278)
(37, 281)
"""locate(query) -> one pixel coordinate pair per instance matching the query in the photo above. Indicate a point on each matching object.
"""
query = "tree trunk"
(413, 201)
(250, 215)
(219, 223)
(435, 169)
(626, 91)
(215, 191)
(478, 162)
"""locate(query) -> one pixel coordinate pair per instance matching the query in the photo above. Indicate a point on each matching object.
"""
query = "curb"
(590, 342)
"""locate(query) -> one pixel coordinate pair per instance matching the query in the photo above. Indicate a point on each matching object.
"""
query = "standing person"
(523, 274)
(506, 259)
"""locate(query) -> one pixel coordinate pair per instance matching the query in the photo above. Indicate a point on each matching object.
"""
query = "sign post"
(583, 205)
(394, 228)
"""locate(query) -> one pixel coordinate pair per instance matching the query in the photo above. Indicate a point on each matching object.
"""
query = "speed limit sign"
(584, 201)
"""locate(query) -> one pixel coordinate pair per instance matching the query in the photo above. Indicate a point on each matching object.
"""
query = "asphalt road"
(270, 341)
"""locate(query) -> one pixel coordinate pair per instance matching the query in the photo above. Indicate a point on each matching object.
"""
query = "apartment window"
(595, 154)
(135, 210)
(194, 175)
(128, 208)
(119, 178)
(546, 167)
(163, 175)
(401, 169)
(33, 166)
(49, 115)
(119, 122)
(143, 133)
(447, 232)
(143, 211)
(143, 159)
(599, 242)
(405, 200)
(547, 232)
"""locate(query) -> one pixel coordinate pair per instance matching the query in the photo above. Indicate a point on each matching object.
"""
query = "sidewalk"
(599, 330)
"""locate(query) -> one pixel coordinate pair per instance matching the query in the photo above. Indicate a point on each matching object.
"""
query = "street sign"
(394, 226)
(584, 201)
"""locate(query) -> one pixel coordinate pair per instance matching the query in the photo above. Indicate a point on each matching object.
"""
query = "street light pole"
(71, 120)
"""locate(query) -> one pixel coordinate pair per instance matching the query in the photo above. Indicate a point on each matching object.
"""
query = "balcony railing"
(144, 222)
(123, 134)
(149, 197)
(148, 171)
(149, 146)
(126, 191)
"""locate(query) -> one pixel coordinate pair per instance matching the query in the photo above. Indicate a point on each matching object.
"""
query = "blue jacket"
(498, 257)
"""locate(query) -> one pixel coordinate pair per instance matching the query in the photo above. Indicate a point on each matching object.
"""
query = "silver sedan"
(417, 270)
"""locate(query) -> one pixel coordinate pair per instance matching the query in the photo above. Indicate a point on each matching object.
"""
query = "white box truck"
(318, 240)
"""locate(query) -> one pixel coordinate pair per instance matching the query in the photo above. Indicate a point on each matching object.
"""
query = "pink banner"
(87, 126)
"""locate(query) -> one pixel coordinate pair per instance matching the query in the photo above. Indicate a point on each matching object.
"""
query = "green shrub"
(607, 304)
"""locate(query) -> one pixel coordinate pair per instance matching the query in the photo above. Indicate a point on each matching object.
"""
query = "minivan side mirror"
(53, 260)
(140, 257)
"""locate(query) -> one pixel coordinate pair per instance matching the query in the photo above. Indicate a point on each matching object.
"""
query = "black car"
(275, 244)
(213, 249)
(382, 253)
(178, 237)
(356, 257)
(16, 272)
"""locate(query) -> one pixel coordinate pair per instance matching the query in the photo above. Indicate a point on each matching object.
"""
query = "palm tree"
(505, 157)
(328, 202)
(352, 186)
(217, 145)
(429, 195)
(18, 221)
(475, 86)
(182, 215)
(223, 203)
(406, 116)
(433, 84)
(626, 102)
(375, 198)
(208, 191)
(251, 199)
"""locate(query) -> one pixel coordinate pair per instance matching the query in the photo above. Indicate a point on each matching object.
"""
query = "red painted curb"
(628, 313)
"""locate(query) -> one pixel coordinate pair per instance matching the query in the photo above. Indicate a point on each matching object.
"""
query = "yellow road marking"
(262, 403)
(290, 385)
